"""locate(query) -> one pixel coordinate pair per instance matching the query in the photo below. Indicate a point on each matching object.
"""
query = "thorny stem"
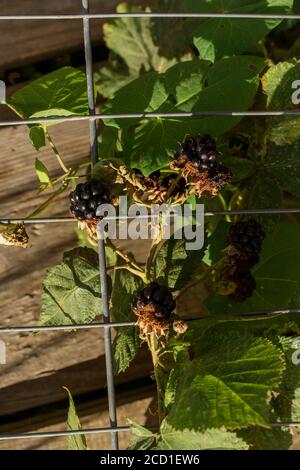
(56, 152)
(153, 249)
(154, 348)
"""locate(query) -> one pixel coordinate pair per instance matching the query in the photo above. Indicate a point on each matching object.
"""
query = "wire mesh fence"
(92, 118)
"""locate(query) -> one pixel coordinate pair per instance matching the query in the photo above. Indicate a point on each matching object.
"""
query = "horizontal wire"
(31, 329)
(20, 122)
(35, 435)
(108, 16)
(28, 329)
(48, 220)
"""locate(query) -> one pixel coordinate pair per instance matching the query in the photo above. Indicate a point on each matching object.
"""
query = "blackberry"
(245, 286)
(245, 264)
(201, 151)
(157, 296)
(247, 237)
(86, 199)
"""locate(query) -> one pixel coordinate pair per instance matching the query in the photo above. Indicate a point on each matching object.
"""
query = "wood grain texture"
(24, 42)
(139, 405)
(38, 366)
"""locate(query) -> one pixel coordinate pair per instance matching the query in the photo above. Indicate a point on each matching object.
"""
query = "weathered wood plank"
(51, 357)
(134, 404)
(24, 42)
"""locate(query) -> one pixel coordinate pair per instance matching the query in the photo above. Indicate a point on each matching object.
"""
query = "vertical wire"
(101, 247)
(90, 81)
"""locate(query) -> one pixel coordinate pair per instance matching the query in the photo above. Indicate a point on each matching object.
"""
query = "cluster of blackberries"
(157, 296)
(86, 199)
(246, 238)
(201, 151)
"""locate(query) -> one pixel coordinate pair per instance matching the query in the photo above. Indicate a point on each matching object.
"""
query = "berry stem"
(130, 265)
(136, 272)
(154, 348)
(153, 249)
(56, 152)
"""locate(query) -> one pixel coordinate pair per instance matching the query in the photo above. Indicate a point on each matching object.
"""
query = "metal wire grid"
(114, 429)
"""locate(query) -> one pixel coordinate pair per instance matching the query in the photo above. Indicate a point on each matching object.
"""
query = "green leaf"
(109, 142)
(267, 439)
(216, 243)
(287, 402)
(277, 84)
(134, 51)
(145, 94)
(228, 385)
(283, 165)
(232, 84)
(111, 77)
(71, 290)
(59, 93)
(42, 173)
(184, 81)
(140, 437)
(131, 39)
(125, 347)
(127, 341)
(263, 193)
(37, 137)
(283, 135)
(181, 29)
(278, 87)
(174, 265)
(277, 275)
(152, 144)
(77, 442)
(211, 439)
(219, 37)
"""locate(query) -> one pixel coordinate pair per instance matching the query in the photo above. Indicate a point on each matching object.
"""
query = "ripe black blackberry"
(201, 151)
(157, 296)
(86, 199)
(245, 286)
(246, 237)
(153, 307)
